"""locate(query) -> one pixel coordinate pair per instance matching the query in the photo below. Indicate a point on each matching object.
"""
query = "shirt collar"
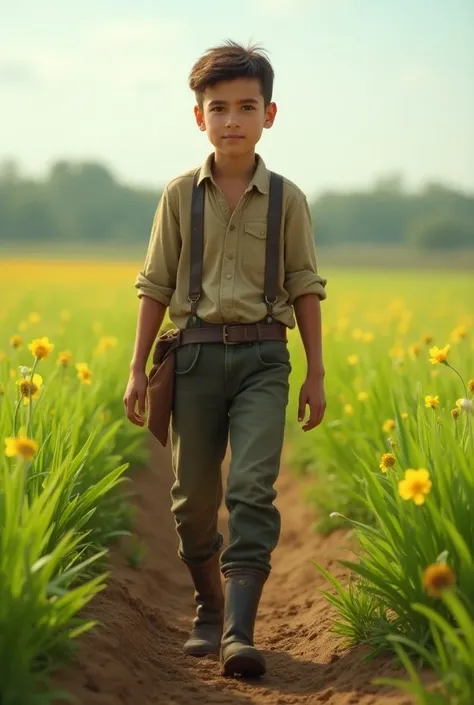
(259, 180)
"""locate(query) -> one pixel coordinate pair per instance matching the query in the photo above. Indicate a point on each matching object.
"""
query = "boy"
(234, 301)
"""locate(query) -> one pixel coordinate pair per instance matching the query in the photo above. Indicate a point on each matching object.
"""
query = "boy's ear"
(199, 118)
(270, 115)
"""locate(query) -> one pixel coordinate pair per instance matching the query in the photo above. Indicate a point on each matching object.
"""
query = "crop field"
(393, 460)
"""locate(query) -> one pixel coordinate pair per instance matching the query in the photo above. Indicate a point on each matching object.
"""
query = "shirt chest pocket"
(254, 243)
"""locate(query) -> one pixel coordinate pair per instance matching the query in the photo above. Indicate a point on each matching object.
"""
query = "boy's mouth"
(233, 137)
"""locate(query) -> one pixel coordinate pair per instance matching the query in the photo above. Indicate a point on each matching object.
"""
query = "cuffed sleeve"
(157, 279)
(301, 273)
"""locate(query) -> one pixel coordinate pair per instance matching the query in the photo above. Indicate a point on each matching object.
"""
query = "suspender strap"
(272, 252)
(197, 244)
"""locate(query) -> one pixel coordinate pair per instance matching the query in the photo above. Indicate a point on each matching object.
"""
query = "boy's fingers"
(301, 406)
(315, 417)
(141, 403)
(131, 414)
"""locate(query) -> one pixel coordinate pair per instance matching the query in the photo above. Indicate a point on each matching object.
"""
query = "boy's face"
(233, 114)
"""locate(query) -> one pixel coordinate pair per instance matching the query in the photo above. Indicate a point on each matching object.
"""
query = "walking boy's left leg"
(257, 422)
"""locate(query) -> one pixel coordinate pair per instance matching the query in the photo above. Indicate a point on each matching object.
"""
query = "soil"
(135, 656)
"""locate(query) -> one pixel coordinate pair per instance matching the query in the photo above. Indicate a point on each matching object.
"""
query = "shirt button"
(228, 276)
(231, 227)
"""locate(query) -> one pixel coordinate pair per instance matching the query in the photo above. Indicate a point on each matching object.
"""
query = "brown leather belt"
(233, 334)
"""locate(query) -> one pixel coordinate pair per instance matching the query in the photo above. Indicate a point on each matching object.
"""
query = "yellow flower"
(431, 402)
(28, 388)
(16, 342)
(415, 486)
(40, 347)
(362, 396)
(455, 413)
(353, 359)
(357, 334)
(458, 334)
(439, 355)
(427, 339)
(404, 415)
(397, 352)
(20, 446)
(470, 385)
(459, 404)
(388, 460)
(34, 317)
(348, 409)
(437, 578)
(368, 337)
(107, 342)
(415, 350)
(64, 358)
(389, 425)
(84, 374)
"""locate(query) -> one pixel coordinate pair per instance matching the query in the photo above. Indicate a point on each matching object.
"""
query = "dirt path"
(136, 657)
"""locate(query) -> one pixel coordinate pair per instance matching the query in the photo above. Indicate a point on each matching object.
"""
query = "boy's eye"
(217, 109)
(248, 107)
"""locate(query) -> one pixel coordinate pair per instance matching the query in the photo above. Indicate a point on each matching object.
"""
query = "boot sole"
(243, 665)
(201, 652)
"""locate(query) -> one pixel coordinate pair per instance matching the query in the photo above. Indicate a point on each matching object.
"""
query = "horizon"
(108, 84)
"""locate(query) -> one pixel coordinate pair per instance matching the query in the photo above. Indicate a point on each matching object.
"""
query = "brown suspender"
(197, 244)
(272, 250)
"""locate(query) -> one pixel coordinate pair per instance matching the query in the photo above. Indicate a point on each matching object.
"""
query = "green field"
(64, 453)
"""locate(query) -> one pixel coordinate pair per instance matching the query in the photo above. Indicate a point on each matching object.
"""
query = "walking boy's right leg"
(199, 441)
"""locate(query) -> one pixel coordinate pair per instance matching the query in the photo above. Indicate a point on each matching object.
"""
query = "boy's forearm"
(150, 318)
(308, 316)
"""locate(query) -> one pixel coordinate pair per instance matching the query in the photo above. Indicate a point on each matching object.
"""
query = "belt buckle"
(225, 335)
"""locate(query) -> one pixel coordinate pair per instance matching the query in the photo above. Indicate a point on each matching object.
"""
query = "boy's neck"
(239, 168)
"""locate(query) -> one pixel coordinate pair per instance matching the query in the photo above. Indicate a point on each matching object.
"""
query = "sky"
(364, 88)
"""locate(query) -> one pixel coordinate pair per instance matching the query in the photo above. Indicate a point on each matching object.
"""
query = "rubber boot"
(242, 596)
(206, 634)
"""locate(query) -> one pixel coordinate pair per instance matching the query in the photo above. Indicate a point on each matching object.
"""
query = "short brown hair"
(230, 61)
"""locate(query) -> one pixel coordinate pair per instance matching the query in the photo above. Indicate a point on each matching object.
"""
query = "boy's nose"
(232, 121)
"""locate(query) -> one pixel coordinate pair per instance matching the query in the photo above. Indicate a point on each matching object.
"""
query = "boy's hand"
(136, 392)
(312, 394)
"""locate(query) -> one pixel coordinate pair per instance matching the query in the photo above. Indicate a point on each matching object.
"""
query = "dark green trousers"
(237, 393)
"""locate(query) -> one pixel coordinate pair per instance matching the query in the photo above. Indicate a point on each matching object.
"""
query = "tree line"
(84, 202)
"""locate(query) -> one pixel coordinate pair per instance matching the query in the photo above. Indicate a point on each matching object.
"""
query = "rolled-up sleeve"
(157, 279)
(301, 272)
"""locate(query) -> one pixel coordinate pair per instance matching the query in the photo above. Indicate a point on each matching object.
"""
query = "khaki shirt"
(234, 252)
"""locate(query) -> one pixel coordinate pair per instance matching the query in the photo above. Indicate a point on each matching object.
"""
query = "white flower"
(24, 371)
(467, 405)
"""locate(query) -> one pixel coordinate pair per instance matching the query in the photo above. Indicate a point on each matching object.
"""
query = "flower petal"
(404, 489)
